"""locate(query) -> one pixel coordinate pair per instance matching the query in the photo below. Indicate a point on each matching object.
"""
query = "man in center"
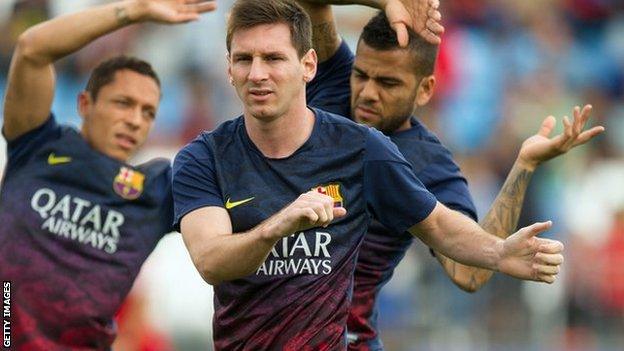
(272, 205)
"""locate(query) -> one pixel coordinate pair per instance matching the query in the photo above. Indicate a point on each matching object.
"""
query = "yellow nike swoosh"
(55, 160)
(229, 205)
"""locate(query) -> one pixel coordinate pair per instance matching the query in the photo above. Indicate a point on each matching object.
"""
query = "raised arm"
(502, 218)
(219, 255)
(420, 15)
(31, 82)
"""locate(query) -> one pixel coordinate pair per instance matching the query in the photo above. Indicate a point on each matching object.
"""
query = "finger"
(200, 7)
(546, 278)
(542, 269)
(339, 212)
(549, 259)
(320, 210)
(547, 126)
(310, 215)
(550, 246)
(567, 126)
(579, 121)
(434, 3)
(435, 27)
(401, 29)
(434, 15)
(588, 135)
(535, 228)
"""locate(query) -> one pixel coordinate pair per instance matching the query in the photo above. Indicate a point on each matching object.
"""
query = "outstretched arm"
(502, 218)
(30, 88)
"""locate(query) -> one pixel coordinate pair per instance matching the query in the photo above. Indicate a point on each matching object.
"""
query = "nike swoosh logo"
(230, 205)
(55, 160)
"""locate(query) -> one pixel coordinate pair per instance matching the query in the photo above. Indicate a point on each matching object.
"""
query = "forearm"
(459, 237)
(501, 220)
(58, 37)
(232, 256)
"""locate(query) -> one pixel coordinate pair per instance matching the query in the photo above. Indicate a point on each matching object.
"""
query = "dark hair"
(380, 36)
(250, 13)
(104, 73)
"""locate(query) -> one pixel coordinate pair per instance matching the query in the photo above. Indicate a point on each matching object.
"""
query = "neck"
(280, 137)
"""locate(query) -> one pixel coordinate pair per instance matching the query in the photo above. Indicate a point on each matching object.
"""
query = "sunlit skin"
(118, 121)
(267, 72)
(385, 88)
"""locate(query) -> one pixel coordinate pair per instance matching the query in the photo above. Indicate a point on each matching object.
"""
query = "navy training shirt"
(76, 227)
(382, 248)
(298, 298)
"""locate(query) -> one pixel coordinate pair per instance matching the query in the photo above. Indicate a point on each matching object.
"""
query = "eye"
(122, 102)
(149, 114)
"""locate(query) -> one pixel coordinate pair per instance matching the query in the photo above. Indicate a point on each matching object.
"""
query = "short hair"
(250, 13)
(104, 73)
(379, 35)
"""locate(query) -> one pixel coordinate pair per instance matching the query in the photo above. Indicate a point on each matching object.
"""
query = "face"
(119, 120)
(266, 71)
(384, 88)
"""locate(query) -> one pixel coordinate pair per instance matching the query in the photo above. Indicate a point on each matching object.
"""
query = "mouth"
(366, 114)
(258, 94)
(126, 141)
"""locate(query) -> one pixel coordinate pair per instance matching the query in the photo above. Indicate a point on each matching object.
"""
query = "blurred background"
(504, 65)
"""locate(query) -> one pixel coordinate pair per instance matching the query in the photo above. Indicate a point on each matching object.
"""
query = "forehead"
(387, 63)
(263, 38)
(130, 83)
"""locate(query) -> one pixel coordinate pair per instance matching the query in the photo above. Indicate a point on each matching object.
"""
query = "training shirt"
(76, 227)
(298, 298)
(383, 248)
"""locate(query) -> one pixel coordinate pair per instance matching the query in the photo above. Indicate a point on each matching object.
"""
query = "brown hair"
(104, 73)
(250, 13)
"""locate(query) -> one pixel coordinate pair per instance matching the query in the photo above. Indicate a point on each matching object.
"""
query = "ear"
(425, 91)
(84, 103)
(309, 62)
(229, 68)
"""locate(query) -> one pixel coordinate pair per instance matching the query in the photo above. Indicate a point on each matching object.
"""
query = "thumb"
(401, 30)
(547, 126)
(535, 228)
(340, 212)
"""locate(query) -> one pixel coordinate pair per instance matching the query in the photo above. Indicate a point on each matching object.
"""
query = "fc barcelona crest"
(332, 190)
(128, 183)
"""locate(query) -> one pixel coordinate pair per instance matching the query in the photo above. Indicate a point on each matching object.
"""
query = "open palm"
(177, 11)
(540, 148)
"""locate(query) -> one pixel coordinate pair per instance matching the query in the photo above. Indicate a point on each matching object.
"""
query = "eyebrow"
(383, 78)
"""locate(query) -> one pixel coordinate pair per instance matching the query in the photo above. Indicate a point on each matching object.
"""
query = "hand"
(311, 209)
(174, 11)
(420, 15)
(528, 257)
(539, 148)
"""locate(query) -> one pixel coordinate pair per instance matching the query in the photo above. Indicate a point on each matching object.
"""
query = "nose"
(369, 91)
(134, 118)
(257, 71)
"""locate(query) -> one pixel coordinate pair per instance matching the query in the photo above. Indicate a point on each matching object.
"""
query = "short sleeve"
(330, 89)
(394, 195)
(194, 180)
(20, 148)
(444, 179)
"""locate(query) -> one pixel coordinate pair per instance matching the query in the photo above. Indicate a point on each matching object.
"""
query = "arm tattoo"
(501, 220)
(122, 15)
(325, 40)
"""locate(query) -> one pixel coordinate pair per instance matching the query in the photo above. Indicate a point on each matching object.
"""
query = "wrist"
(134, 10)
(526, 164)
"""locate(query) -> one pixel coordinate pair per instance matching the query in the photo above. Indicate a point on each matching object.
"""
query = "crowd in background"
(503, 66)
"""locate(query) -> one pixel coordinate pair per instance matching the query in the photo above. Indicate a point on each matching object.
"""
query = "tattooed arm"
(502, 218)
(30, 87)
